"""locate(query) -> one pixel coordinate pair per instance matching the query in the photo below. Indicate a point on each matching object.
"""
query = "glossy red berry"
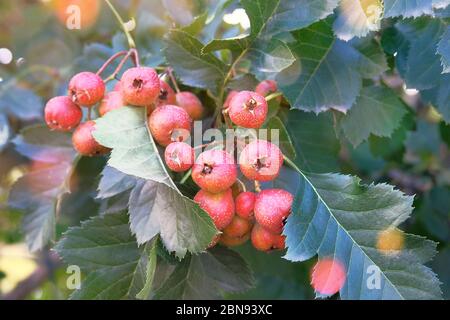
(214, 171)
(272, 207)
(266, 88)
(179, 156)
(113, 100)
(84, 142)
(62, 114)
(261, 160)
(264, 240)
(166, 94)
(140, 86)
(86, 89)
(219, 206)
(189, 102)
(245, 204)
(238, 227)
(248, 109)
(169, 123)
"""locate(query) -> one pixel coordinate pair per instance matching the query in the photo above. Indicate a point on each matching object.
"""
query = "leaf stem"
(172, 78)
(130, 39)
(291, 163)
(186, 176)
(273, 96)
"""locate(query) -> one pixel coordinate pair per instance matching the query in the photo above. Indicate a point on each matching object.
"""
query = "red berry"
(219, 206)
(62, 114)
(84, 142)
(113, 100)
(166, 94)
(238, 227)
(248, 109)
(169, 123)
(189, 102)
(117, 86)
(179, 156)
(264, 240)
(266, 88)
(86, 89)
(245, 204)
(261, 160)
(214, 171)
(140, 86)
(328, 276)
(234, 241)
(272, 207)
(230, 96)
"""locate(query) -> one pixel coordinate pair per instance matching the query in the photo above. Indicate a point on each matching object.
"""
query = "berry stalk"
(130, 39)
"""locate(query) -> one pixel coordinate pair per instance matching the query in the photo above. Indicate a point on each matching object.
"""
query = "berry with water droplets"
(169, 123)
(264, 240)
(214, 171)
(140, 86)
(219, 206)
(86, 89)
(84, 142)
(261, 160)
(62, 114)
(189, 102)
(113, 100)
(245, 204)
(272, 207)
(248, 109)
(179, 156)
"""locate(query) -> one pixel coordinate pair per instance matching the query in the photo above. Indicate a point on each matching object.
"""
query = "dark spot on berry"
(163, 93)
(207, 169)
(261, 163)
(138, 84)
(251, 104)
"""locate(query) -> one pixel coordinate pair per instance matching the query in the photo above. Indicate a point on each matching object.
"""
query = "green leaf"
(272, 17)
(20, 102)
(357, 18)
(372, 61)
(207, 275)
(314, 139)
(377, 111)
(407, 8)
(444, 50)
(434, 213)
(38, 193)
(325, 74)
(195, 68)
(155, 205)
(150, 272)
(285, 140)
(336, 216)
(105, 249)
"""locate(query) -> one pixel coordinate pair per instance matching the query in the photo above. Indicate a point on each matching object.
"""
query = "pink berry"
(230, 96)
(86, 89)
(84, 142)
(169, 123)
(245, 204)
(62, 114)
(179, 156)
(266, 88)
(264, 240)
(140, 86)
(189, 102)
(214, 171)
(219, 206)
(248, 109)
(113, 100)
(166, 94)
(261, 160)
(272, 207)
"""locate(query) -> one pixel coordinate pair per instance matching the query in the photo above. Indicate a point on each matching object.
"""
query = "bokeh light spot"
(390, 241)
(6, 56)
(328, 276)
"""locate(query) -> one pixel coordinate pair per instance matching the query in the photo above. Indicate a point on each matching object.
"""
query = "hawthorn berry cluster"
(240, 215)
